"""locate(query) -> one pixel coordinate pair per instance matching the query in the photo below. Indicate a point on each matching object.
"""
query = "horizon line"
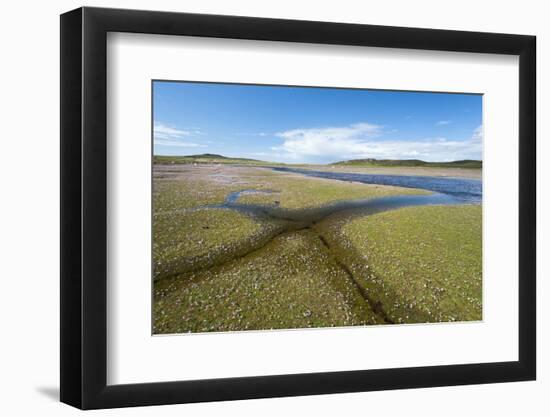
(318, 163)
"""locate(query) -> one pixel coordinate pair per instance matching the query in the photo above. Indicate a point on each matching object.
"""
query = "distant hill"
(208, 156)
(370, 162)
(205, 158)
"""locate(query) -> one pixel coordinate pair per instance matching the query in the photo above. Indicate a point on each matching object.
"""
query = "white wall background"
(29, 225)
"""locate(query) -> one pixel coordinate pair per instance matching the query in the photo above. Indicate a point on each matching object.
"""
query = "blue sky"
(314, 125)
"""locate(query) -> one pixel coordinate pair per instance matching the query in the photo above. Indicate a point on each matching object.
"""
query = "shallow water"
(464, 189)
(445, 191)
(308, 215)
(235, 195)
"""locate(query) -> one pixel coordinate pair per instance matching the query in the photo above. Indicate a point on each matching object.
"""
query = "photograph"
(273, 205)
(294, 207)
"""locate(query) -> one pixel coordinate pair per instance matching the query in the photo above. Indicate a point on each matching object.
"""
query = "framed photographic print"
(258, 207)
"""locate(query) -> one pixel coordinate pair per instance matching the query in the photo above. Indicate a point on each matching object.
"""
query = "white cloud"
(354, 130)
(478, 134)
(326, 141)
(362, 140)
(443, 123)
(162, 131)
(169, 136)
(260, 134)
(168, 142)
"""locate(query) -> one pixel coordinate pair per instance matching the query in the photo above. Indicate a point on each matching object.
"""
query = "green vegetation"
(206, 158)
(214, 159)
(219, 269)
(177, 194)
(291, 283)
(186, 186)
(423, 264)
(188, 234)
(409, 163)
(291, 191)
(190, 239)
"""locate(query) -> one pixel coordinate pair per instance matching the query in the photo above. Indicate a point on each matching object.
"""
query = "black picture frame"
(84, 207)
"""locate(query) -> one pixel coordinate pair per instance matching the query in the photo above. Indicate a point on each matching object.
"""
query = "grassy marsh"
(291, 283)
(191, 239)
(423, 264)
(299, 192)
(189, 232)
(219, 269)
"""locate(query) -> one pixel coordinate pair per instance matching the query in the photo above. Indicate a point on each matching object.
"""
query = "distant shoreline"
(448, 172)
(473, 173)
(362, 163)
